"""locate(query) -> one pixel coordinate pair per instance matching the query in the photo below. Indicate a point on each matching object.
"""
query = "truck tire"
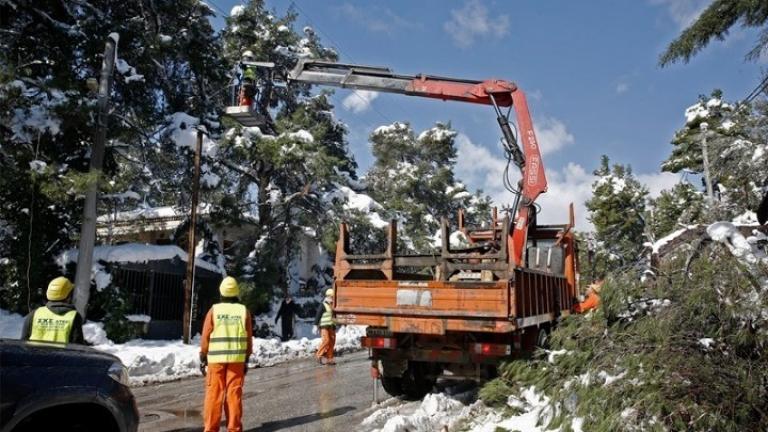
(416, 381)
(542, 339)
(392, 385)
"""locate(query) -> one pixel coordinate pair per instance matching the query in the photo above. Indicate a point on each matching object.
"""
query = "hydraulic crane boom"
(497, 93)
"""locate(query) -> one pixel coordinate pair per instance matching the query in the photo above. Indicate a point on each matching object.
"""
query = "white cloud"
(657, 182)
(683, 12)
(473, 21)
(622, 88)
(481, 168)
(552, 134)
(359, 100)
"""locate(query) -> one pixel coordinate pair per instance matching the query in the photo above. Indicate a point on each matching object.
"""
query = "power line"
(226, 15)
(759, 89)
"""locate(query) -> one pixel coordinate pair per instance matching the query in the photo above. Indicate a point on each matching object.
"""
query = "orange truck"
(462, 310)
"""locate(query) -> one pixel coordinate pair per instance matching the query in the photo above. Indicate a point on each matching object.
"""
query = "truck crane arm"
(497, 93)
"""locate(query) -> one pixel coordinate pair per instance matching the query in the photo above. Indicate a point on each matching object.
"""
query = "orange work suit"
(591, 302)
(327, 344)
(224, 383)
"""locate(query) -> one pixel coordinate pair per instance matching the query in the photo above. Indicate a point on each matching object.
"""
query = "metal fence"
(160, 295)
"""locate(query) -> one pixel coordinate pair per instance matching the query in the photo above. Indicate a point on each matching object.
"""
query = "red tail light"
(378, 342)
(487, 349)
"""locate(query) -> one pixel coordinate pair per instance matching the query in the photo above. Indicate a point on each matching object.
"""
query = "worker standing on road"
(58, 321)
(324, 320)
(593, 298)
(287, 312)
(225, 347)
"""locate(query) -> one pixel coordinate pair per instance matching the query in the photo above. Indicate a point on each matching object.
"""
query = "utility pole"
(190, 279)
(707, 178)
(88, 229)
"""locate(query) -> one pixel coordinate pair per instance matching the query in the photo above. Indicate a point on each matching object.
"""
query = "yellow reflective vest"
(327, 319)
(229, 338)
(50, 327)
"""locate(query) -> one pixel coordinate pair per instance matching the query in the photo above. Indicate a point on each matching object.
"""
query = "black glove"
(203, 363)
(245, 369)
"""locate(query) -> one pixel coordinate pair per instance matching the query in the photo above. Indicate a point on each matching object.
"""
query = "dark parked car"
(45, 387)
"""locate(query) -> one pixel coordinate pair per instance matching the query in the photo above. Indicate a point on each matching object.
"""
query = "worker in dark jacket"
(324, 320)
(288, 310)
(58, 321)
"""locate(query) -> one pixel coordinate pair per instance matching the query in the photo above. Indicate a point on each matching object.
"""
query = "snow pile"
(437, 133)
(437, 412)
(660, 243)
(128, 71)
(150, 361)
(457, 240)
(236, 11)
(746, 249)
(182, 130)
(618, 183)
(642, 307)
(357, 201)
(40, 116)
(133, 253)
(440, 412)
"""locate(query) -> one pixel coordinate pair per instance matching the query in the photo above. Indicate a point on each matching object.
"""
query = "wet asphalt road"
(295, 396)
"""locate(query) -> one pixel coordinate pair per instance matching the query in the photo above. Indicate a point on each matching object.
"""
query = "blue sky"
(589, 68)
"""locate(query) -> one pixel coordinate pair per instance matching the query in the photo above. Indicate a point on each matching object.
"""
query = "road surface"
(295, 396)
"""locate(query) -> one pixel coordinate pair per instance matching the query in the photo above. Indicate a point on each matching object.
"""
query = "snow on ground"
(439, 412)
(151, 361)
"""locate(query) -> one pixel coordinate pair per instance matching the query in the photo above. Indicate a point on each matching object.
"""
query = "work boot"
(320, 360)
(331, 362)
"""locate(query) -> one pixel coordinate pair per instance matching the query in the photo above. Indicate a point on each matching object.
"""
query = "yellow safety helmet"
(59, 289)
(229, 287)
(330, 292)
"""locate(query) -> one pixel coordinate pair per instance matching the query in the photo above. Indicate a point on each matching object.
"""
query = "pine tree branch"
(714, 22)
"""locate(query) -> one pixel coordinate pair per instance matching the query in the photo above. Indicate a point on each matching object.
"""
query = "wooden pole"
(190, 279)
(88, 229)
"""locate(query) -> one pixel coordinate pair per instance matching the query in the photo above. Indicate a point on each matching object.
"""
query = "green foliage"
(638, 363)
(413, 178)
(714, 23)
(735, 135)
(256, 297)
(495, 393)
(682, 204)
(617, 210)
(110, 306)
(49, 50)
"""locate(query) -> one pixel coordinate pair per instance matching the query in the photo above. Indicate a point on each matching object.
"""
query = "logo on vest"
(228, 319)
(51, 323)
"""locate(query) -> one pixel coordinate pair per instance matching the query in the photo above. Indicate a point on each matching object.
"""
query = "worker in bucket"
(248, 82)
(57, 322)
(287, 312)
(592, 301)
(324, 320)
(225, 347)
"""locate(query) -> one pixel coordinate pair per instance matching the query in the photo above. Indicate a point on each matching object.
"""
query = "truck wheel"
(415, 382)
(392, 385)
(542, 339)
